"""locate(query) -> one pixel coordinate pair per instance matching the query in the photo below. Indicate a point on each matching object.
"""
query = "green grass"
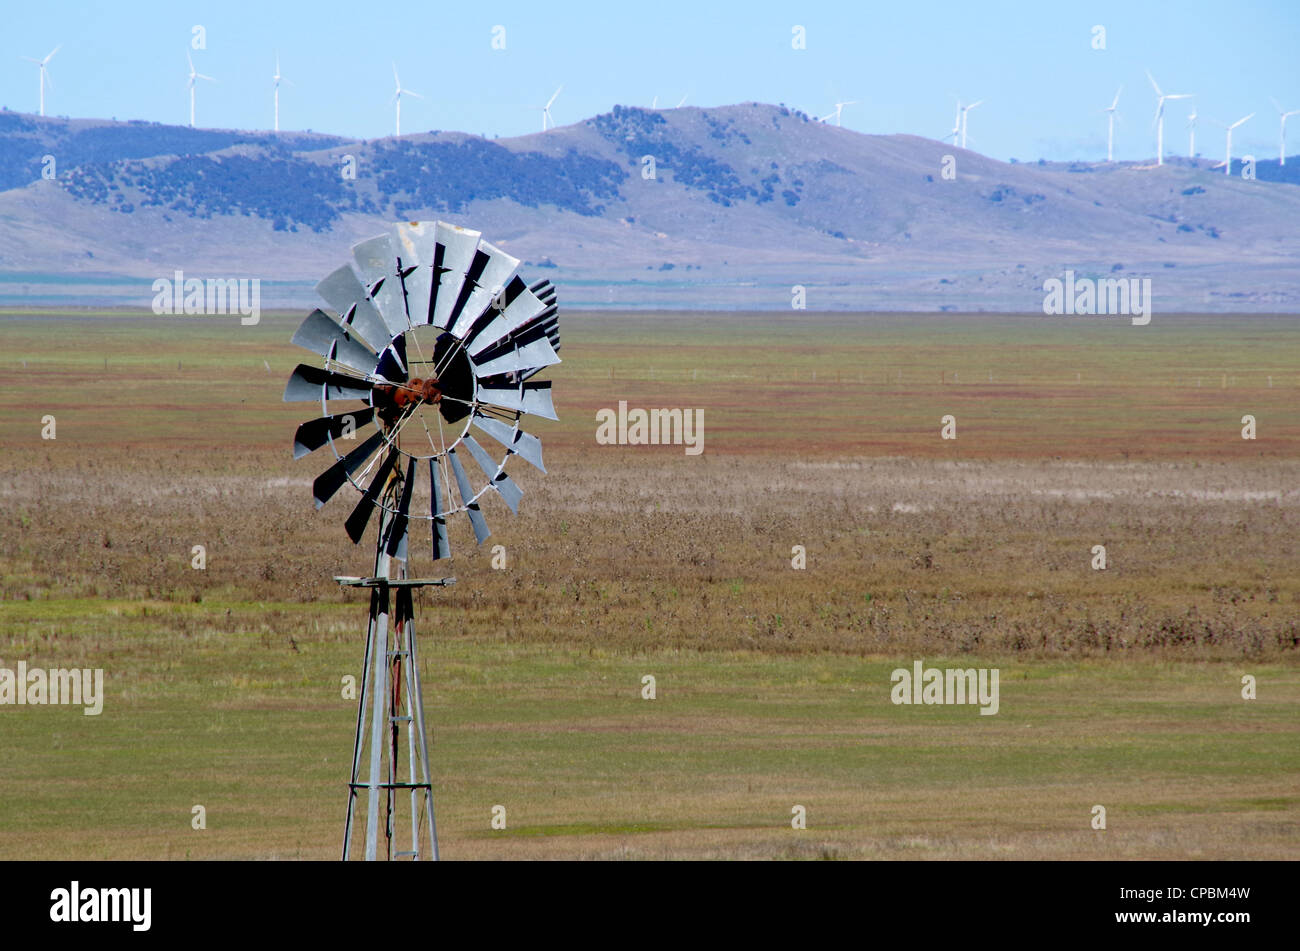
(256, 730)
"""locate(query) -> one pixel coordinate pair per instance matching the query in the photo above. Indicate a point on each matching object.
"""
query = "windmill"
(1282, 134)
(546, 109)
(397, 98)
(277, 79)
(1111, 115)
(1159, 121)
(961, 112)
(193, 76)
(1227, 149)
(434, 345)
(682, 101)
(839, 108)
(1191, 134)
(41, 65)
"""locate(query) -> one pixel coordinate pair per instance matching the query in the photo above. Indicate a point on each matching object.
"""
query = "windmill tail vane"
(432, 345)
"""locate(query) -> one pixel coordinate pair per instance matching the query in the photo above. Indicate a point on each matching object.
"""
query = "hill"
(691, 207)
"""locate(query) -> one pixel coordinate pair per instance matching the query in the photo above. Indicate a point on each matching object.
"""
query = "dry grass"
(627, 560)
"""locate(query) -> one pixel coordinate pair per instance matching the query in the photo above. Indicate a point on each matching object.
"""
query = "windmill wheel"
(434, 339)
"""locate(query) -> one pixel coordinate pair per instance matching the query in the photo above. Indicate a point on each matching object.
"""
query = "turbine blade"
(534, 398)
(320, 334)
(525, 398)
(523, 306)
(392, 362)
(360, 517)
(399, 527)
(437, 511)
(537, 354)
(452, 258)
(315, 433)
(415, 244)
(476, 519)
(488, 276)
(504, 485)
(308, 383)
(332, 479)
(342, 291)
(525, 445)
(377, 264)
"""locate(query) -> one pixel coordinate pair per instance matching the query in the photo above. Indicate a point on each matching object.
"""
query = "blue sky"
(906, 64)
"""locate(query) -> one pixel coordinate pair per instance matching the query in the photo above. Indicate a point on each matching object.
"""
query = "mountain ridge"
(727, 206)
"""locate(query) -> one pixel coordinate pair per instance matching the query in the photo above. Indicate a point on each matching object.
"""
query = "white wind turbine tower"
(956, 127)
(397, 98)
(839, 108)
(1110, 125)
(1227, 149)
(1161, 99)
(962, 113)
(1281, 148)
(277, 79)
(193, 76)
(546, 109)
(1191, 135)
(44, 77)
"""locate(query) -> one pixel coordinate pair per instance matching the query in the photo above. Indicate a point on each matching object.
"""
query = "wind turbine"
(1191, 138)
(277, 79)
(397, 98)
(546, 109)
(193, 76)
(956, 127)
(962, 114)
(839, 108)
(681, 102)
(1110, 126)
(1227, 157)
(44, 78)
(1159, 120)
(1282, 140)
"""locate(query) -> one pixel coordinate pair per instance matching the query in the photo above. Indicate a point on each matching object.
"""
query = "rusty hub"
(392, 402)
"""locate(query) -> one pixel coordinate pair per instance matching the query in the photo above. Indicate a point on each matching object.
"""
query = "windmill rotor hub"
(393, 401)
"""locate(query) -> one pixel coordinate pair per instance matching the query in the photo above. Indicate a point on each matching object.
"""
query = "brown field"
(820, 431)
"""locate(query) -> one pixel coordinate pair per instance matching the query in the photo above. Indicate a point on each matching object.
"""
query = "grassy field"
(1119, 687)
